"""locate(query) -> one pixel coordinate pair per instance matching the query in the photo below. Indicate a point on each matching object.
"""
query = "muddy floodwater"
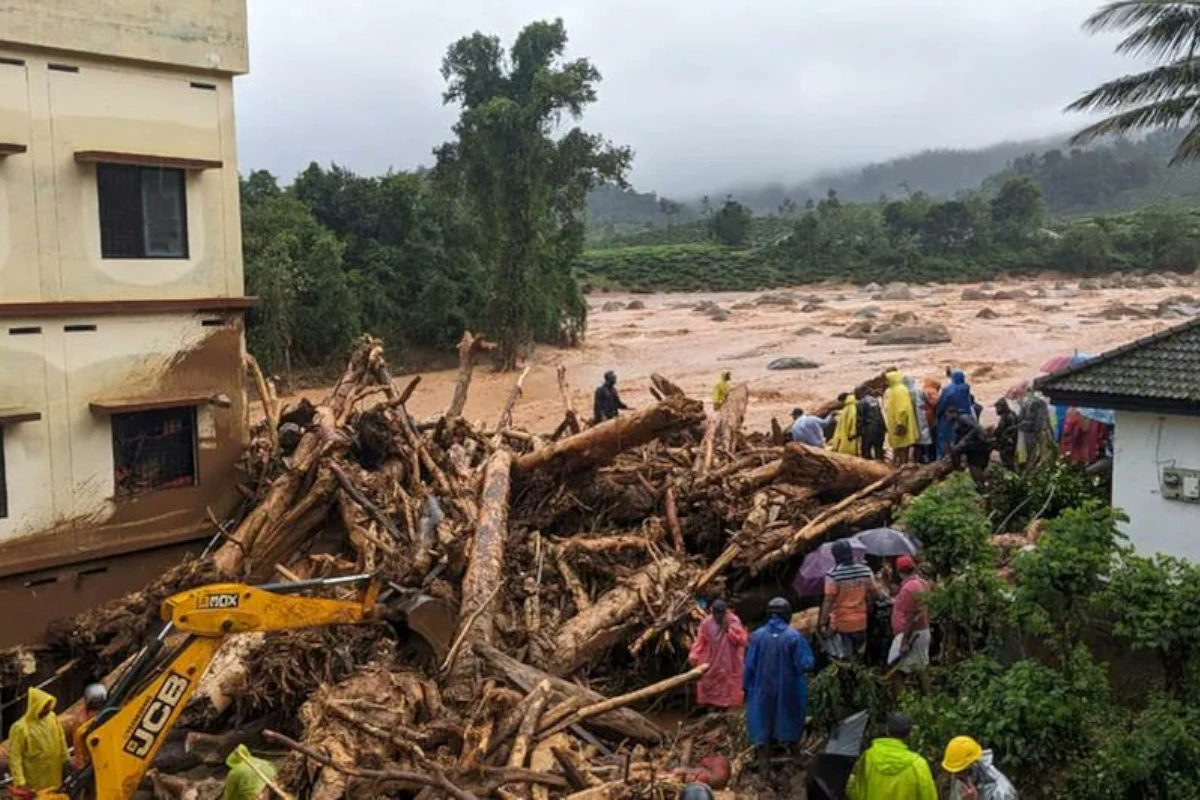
(692, 337)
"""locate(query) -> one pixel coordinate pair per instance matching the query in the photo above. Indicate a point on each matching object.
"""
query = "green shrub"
(974, 611)
(1035, 719)
(949, 522)
(1154, 757)
(843, 689)
(1045, 491)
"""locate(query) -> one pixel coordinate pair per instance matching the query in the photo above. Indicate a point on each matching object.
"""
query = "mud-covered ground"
(670, 336)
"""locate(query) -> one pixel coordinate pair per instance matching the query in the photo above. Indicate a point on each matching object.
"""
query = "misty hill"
(1118, 176)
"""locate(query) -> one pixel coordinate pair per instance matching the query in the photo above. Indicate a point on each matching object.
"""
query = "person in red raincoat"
(721, 644)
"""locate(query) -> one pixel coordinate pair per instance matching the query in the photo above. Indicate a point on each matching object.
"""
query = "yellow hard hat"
(962, 752)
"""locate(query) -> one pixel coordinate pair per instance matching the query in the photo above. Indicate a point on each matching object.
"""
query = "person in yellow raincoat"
(845, 433)
(721, 390)
(37, 745)
(245, 780)
(900, 418)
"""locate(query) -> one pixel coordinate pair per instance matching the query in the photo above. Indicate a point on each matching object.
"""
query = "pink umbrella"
(1017, 391)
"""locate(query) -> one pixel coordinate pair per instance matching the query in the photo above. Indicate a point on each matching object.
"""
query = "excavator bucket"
(430, 623)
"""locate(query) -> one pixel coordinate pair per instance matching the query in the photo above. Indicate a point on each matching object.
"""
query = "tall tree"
(526, 183)
(731, 225)
(1165, 96)
(1017, 210)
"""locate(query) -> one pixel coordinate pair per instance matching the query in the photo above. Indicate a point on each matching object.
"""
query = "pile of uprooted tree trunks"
(572, 564)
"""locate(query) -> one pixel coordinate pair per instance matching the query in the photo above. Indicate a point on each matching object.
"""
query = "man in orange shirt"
(849, 589)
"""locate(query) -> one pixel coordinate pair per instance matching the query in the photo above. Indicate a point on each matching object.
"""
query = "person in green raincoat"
(37, 745)
(244, 782)
(888, 770)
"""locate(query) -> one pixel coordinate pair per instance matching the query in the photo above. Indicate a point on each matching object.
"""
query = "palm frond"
(1125, 14)
(1161, 114)
(1159, 83)
(1189, 147)
(1171, 35)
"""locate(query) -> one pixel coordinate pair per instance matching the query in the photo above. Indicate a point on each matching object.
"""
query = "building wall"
(1143, 445)
(61, 482)
(198, 34)
(49, 207)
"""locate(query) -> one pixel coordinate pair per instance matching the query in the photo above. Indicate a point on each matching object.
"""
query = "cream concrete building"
(122, 397)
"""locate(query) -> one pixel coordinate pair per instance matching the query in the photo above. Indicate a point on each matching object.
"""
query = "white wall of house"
(1143, 445)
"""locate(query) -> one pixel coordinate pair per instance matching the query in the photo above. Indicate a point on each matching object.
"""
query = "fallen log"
(468, 346)
(599, 444)
(876, 385)
(622, 723)
(828, 470)
(485, 570)
(628, 699)
(867, 506)
(531, 712)
(666, 387)
(591, 632)
(438, 779)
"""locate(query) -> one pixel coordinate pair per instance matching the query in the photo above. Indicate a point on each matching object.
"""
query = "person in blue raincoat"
(956, 394)
(776, 682)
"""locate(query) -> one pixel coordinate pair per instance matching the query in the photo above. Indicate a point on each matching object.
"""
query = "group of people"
(921, 424)
(768, 672)
(38, 757)
(917, 424)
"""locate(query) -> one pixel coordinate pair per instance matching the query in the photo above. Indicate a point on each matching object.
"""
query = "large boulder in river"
(871, 288)
(912, 334)
(857, 330)
(987, 313)
(792, 362)
(896, 291)
(975, 295)
(1011, 294)
(905, 318)
(808, 332)
(1088, 285)
(1153, 281)
(775, 299)
(636, 305)
(809, 308)
(868, 312)
(612, 305)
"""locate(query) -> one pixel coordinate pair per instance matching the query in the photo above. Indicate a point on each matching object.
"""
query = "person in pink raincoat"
(721, 644)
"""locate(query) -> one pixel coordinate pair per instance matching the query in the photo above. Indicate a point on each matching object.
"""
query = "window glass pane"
(162, 208)
(120, 211)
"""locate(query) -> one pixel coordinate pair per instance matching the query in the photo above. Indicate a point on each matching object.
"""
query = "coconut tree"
(1165, 96)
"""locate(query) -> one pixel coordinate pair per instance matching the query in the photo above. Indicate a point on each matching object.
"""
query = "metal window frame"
(140, 170)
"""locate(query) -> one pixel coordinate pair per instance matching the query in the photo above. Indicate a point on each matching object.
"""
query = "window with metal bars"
(3, 479)
(143, 212)
(154, 450)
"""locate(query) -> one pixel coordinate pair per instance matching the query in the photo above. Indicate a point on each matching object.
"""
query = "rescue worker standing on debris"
(776, 682)
(1005, 434)
(607, 403)
(849, 590)
(37, 746)
(899, 414)
(888, 770)
(721, 644)
(248, 775)
(845, 433)
(721, 390)
(871, 427)
(975, 776)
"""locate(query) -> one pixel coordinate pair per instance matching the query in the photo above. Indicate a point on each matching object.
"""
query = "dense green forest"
(918, 238)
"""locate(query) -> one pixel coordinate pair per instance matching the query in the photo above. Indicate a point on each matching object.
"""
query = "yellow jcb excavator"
(121, 741)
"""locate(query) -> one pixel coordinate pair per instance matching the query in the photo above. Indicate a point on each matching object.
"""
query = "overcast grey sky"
(709, 93)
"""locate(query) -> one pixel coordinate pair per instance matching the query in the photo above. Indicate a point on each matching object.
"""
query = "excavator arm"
(122, 740)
